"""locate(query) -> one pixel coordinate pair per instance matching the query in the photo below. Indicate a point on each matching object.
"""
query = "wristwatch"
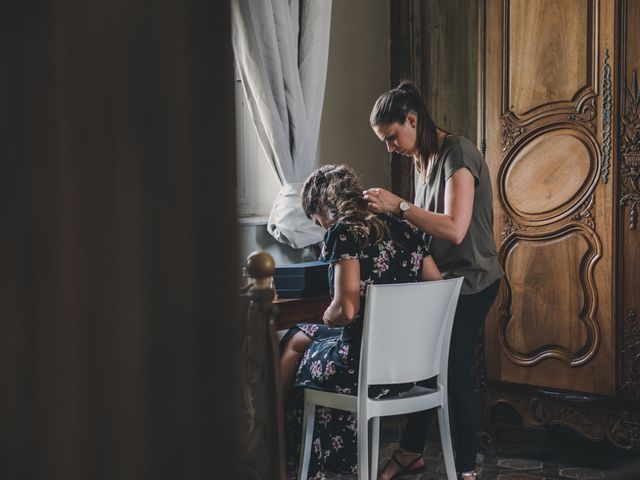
(404, 206)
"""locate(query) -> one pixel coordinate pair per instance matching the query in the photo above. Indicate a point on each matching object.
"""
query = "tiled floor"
(523, 454)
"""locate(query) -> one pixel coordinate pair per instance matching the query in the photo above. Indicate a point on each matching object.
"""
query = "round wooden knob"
(260, 265)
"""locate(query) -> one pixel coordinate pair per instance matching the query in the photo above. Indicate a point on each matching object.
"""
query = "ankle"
(402, 451)
(470, 475)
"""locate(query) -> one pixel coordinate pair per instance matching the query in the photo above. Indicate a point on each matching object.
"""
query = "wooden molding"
(582, 105)
(585, 213)
(574, 200)
(587, 316)
(606, 117)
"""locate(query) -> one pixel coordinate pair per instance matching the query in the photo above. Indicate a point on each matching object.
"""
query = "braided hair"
(334, 192)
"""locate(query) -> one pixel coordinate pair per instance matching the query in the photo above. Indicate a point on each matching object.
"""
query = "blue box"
(298, 280)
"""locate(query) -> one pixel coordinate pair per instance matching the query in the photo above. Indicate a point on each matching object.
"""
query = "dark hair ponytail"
(393, 107)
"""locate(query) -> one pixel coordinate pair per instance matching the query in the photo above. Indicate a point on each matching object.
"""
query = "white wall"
(358, 72)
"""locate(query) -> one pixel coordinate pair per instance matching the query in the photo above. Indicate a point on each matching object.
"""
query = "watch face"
(404, 206)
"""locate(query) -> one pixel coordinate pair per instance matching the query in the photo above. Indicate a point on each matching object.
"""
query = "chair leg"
(445, 438)
(308, 419)
(363, 448)
(375, 446)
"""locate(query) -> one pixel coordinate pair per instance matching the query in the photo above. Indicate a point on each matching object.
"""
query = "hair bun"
(407, 86)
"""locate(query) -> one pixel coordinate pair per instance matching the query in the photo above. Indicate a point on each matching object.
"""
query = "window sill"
(253, 220)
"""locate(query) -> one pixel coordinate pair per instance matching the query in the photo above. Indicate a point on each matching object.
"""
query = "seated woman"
(362, 248)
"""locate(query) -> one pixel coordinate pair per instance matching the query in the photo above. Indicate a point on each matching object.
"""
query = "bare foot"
(402, 462)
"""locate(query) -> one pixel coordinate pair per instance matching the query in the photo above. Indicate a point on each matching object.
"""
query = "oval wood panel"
(549, 48)
(544, 318)
(548, 176)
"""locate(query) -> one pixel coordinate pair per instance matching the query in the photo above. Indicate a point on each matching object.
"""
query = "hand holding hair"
(380, 200)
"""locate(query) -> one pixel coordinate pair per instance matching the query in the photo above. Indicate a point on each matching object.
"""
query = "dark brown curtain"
(118, 338)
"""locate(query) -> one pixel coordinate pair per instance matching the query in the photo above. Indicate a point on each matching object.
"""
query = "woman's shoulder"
(459, 151)
(453, 142)
(391, 221)
(398, 228)
(338, 229)
(341, 241)
(344, 232)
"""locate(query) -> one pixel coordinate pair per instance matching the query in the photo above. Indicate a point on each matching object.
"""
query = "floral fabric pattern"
(331, 361)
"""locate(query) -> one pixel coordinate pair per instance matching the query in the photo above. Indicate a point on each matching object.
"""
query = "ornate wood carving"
(596, 418)
(587, 315)
(623, 429)
(585, 214)
(606, 117)
(586, 113)
(509, 226)
(509, 133)
(630, 121)
(630, 149)
(630, 381)
(630, 171)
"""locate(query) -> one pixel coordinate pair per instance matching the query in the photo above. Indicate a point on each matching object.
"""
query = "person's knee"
(299, 343)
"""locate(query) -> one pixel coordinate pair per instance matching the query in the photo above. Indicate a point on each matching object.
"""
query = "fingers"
(374, 201)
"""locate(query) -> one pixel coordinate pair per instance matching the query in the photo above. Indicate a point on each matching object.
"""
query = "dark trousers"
(464, 405)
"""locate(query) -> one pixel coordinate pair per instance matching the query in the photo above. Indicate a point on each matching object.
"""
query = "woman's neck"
(441, 135)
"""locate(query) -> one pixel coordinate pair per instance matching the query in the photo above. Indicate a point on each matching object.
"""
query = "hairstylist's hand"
(382, 201)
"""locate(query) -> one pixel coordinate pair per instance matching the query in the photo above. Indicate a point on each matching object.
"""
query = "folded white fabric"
(288, 223)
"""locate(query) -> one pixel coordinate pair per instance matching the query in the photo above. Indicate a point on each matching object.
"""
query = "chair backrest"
(407, 329)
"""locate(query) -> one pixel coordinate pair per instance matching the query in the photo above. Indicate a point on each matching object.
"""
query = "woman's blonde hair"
(334, 193)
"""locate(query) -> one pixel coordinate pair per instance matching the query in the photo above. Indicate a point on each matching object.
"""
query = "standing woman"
(453, 207)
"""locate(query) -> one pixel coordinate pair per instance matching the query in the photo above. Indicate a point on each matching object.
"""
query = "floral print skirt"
(330, 363)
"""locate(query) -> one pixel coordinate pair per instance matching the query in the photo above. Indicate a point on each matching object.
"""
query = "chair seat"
(417, 399)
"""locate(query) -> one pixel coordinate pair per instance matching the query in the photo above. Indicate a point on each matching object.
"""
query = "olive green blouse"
(475, 258)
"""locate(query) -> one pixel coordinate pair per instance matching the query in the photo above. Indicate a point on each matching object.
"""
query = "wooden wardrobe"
(559, 124)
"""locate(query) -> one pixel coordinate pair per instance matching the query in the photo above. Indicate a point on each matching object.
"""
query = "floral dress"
(331, 361)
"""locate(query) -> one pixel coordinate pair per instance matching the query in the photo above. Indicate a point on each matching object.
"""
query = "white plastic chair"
(407, 329)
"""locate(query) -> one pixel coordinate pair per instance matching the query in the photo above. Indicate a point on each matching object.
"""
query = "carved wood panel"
(532, 302)
(549, 58)
(553, 323)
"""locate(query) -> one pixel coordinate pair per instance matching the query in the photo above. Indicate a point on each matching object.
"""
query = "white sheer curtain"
(281, 49)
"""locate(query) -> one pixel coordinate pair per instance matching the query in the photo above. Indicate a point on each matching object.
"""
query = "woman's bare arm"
(346, 299)
(430, 270)
(451, 225)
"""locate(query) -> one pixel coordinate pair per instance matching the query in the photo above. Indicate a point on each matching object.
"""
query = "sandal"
(470, 474)
(406, 469)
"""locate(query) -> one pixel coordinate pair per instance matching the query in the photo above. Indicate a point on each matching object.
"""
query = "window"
(246, 153)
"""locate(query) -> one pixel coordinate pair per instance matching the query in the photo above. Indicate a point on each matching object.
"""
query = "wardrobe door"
(549, 83)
